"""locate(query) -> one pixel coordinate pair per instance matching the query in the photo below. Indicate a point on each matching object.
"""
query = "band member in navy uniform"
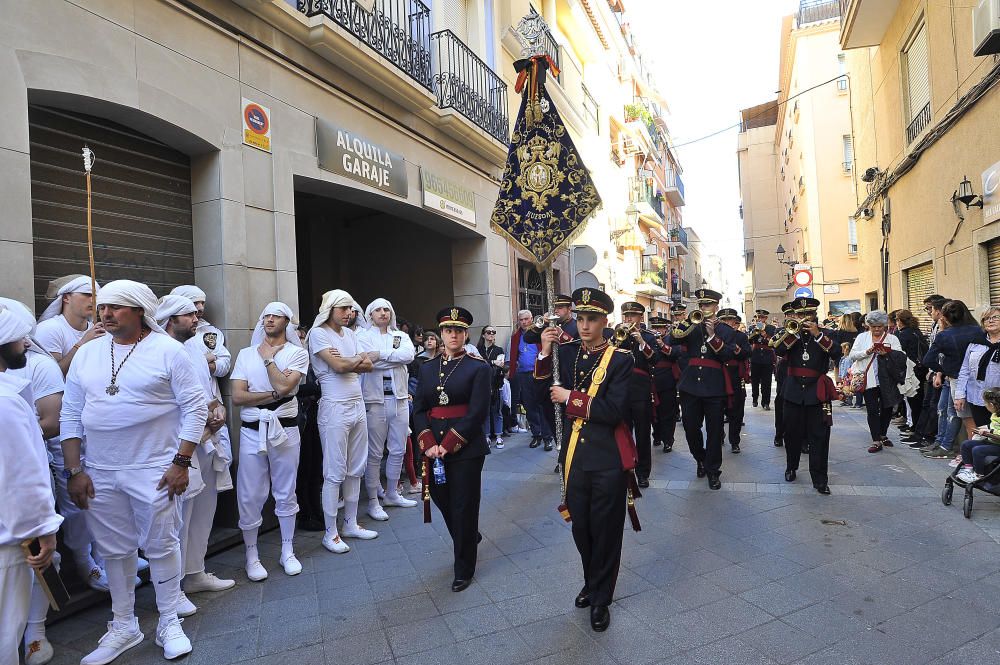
(449, 409)
(594, 387)
(808, 393)
(666, 373)
(780, 372)
(678, 312)
(642, 343)
(705, 386)
(761, 359)
(739, 373)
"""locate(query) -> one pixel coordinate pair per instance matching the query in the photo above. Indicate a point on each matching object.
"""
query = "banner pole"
(88, 163)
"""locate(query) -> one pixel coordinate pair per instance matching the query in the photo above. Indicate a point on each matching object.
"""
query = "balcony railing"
(675, 188)
(643, 193)
(682, 289)
(917, 125)
(398, 30)
(678, 234)
(813, 11)
(550, 46)
(654, 277)
(465, 83)
(590, 109)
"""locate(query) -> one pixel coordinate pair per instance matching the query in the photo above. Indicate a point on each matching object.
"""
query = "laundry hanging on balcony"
(547, 194)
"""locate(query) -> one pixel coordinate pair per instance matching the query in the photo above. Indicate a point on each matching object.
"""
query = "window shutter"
(455, 15)
(918, 85)
(919, 285)
(993, 263)
(848, 149)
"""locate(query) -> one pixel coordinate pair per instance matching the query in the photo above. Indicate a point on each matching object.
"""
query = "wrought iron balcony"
(814, 11)
(398, 30)
(919, 122)
(465, 83)
(675, 188)
(678, 235)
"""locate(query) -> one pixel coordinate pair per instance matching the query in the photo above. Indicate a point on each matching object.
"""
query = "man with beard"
(265, 381)
(135, 393)
(27, 508)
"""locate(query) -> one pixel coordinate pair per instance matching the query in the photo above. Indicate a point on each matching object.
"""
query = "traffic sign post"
(803, 292)
(802, 276)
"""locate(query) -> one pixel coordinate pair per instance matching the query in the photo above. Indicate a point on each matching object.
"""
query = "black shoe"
(642, 482)
(582, 598)
(736, 449)
(790, 475)
(916, 445)
(460, 585)
(822, 489)
(886, 442)
(488, 450)
(667, 448)
(600, 618)
(701, 470)
(805, 448)
(656, 444)
(767, 407)
(535, 442)
(778, 442)
(479, 538)
(548, 445)
(714, 483)
(755, 404)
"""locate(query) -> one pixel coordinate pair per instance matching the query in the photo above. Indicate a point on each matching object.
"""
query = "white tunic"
(27, 508)
(209, 339)
(56, 335)
(390, 374)
(250, 368)
(337, 387)
(160, 400)
(46, 379)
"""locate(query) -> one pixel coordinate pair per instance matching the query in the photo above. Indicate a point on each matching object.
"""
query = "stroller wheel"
(967, 504)
(946, 493)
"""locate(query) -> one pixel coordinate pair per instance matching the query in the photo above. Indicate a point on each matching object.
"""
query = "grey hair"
(877, 318)
(525, 311)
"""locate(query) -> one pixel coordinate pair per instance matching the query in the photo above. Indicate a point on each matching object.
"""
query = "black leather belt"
(285, 422)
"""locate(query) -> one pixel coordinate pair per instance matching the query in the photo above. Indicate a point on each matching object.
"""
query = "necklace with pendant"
(443, 398)
(113, 388)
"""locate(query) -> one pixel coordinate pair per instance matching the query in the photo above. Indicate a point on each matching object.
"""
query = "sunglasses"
(489, 332)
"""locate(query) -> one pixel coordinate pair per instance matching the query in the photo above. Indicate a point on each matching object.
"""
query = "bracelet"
(182, 460)
(275, 396)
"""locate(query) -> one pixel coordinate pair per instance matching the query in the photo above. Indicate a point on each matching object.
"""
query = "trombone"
(792, 327)
(694, 319)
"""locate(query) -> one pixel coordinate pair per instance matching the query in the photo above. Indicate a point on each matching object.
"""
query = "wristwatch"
(69, 473)
(268, 361)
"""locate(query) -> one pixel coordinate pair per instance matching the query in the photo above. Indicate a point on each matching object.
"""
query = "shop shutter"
(919, 285)
(141, 203)
(993, 264)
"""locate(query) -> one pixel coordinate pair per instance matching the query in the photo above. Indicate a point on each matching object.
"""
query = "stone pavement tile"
(871, 607)
(781, 642)
(874, 646)
(982, 651)
(392, 589)
(276, 612)
(419, 636)
(406, 610)
(961, 614)
(776, 599)
(476, 622)
(824, 622)
(576, 656)
(222, 649)
(662, 573)
(448, 601)
(651, 606)
(926, 633)
(501, 648)
(279, 585)
(307, 655)
(342, 619)
(772, 566)
(620, 641)
(830, 656)
(447, 654)
(731, 651)
(560, 633)
(361, 649)
(388, 569)
(929, 577)
(703, 561)
(528, 609)
(64, 655)
(79, 626)
(737, 579)
(277, 638)
(734, 615)
(694, 592)
(350, 592)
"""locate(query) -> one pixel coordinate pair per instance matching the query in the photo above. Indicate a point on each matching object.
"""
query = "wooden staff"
(88, 164)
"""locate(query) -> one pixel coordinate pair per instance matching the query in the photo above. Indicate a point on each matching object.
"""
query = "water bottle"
(439, 478)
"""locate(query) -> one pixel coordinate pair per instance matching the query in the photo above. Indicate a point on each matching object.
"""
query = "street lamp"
(780, 251)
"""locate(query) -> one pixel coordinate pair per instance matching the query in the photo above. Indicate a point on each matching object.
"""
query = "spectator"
(914, 344)
(522, 382)
(945, 356)
(975, 451)
(493, 354)
(873, 354)
(925, 428)
(980, 368)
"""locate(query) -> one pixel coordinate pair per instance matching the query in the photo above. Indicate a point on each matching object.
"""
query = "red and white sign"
(803, 276)
(256, 125)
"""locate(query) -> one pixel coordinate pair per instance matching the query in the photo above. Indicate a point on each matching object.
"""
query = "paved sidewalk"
(758, 573)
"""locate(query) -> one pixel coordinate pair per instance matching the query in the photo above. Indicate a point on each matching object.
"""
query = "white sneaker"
(185, 607)
(956, 462)
(381, 491)
(171, 637)
(142, 565)
(256, 571)
(357, 531)
(291, 565)
(121, 637)
(499, 443)
(335, 544)
(96, 578)
(376, 512)
(967, 476)
(197, 582)
(416, 489)
(38, 652)
(398, 501)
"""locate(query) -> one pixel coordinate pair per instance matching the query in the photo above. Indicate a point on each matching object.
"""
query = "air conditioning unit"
(986, 27)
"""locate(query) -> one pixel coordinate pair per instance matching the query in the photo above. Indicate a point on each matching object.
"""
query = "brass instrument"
(696, 317)
(623, 332)
(792, 326)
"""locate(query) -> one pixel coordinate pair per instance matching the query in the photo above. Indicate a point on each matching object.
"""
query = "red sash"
(446, 412)
(826, 391)
(714, 364)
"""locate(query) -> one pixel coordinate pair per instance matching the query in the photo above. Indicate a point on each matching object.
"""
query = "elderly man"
(386, 398)
(27, 509)
(178, 316)
(338, 360)
(135, 393)
(265, 381)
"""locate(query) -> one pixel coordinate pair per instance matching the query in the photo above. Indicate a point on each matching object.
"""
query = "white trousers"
(198, 515)
(387, 427)
(258, 474)
(15, 596)
(74, 531)
(343, 431)
(127, 513)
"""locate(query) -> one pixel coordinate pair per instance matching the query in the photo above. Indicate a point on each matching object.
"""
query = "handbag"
(857, 381)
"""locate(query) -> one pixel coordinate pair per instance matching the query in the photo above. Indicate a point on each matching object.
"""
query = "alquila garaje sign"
(352, 155)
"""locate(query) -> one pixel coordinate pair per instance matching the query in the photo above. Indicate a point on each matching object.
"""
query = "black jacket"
(798, 389)
(467, 383)
(497, 373)
(700, 380)
(762, 353)
(596, 448)
(641, 386)
(891, 370)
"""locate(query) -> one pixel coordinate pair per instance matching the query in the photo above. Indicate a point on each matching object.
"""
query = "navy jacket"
(798, 389)
(948, 350)
(467, 383)
(698, 379)
(762, 353)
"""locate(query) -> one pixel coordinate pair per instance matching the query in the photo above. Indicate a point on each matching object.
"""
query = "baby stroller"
(990, 483)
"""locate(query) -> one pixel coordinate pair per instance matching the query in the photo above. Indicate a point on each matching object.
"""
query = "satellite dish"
(584, 258)
(585, 280)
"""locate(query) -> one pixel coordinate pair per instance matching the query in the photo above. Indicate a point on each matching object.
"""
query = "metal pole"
(550, 294)
(88, 163)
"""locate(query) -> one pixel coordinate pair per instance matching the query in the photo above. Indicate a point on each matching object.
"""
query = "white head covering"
(127, 293)
(12, 326)
(79, 285)
(21, 310)
(172, 305)
(189, 291)
(278, 309)
(331, 299)
(375, 304)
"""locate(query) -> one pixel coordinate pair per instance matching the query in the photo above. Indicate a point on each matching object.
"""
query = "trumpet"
(623, 331)
(792, 326)
(696, 317)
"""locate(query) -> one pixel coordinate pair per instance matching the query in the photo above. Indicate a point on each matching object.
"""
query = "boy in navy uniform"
(738, 368)
(666, 373)
(808, 393)
(449, 409)
(761, 358)
(780, 372)
(643, 347)
(705, 386)
(596, 479)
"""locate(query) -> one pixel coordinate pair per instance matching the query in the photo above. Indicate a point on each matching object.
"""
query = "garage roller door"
(141, 203)
(993, 264)
(919, 285)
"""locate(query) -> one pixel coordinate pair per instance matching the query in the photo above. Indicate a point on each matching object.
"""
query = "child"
(842, 370)
(975, 451)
